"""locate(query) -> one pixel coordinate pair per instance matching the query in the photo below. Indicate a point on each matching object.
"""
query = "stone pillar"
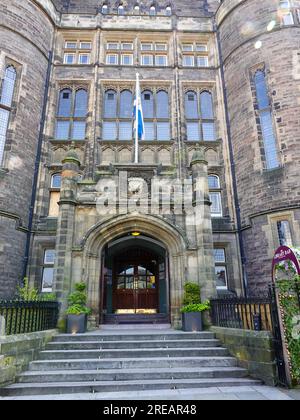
(65, 228)
(203, 225)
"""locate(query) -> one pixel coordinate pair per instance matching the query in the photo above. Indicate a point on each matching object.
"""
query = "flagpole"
(137, 93)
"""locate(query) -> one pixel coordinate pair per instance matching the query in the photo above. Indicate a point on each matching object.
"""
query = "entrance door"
(136, 287)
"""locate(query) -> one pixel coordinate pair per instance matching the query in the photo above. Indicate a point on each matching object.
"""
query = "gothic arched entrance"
(135, 277)
(158, 238)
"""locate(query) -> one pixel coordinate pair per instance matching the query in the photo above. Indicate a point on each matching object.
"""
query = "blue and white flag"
(139, 125)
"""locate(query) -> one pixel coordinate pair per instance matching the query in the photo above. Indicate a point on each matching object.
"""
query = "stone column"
(203, 225)
(65, 228)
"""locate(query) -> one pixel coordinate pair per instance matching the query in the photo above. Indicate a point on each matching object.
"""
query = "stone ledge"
(253, 349)
(17, 351)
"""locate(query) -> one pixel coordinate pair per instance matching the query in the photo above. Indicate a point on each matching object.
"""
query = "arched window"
(8, 87)
(191, 105)
(55, 187)
(117, 122)
(137, 9)
(215, 195)
(153, 11)
(121, 10)
(148, 104)
(126, 104)
(266, 120)
(162, 104)
(206, 102)
(56, 181)
(105, 9)
(6, 99)
(169, 11)
(200, 120)
(72, 114)
(65, 103)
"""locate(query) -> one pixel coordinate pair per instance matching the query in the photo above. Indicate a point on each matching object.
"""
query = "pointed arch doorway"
(135, 279)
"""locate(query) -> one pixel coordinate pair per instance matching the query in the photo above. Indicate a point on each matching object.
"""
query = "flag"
(138, 113)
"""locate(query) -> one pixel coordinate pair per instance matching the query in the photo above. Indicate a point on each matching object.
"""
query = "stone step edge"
(214, 381)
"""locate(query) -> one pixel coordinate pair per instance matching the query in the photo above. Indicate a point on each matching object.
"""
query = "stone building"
(220, 96)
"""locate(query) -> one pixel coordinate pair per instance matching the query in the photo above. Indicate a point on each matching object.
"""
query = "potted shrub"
(193, 308)
(77, 312)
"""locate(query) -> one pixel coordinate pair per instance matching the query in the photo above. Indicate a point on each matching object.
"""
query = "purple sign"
(283, 254)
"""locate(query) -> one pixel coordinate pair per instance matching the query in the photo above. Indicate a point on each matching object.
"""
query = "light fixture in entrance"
(136, 234)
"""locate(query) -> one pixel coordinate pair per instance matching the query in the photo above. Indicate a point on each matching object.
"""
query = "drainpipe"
(232, 164)
(36, 167)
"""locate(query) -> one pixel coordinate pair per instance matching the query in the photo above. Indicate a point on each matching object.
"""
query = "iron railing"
(26, 317)
(251, 313)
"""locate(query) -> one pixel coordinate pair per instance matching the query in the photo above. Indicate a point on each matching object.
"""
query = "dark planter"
(76, 324)
(192, 321)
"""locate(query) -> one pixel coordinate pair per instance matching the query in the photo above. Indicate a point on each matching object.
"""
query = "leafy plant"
(48, 297)
(27, 293)
(289, 301)
(199, 307)
(192, 293)
(77, 301)
(192, 299)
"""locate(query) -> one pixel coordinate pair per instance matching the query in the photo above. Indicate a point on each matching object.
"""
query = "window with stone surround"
(6, 100)
(77, 51)
(71, 114)
(119, 53)
(284, 233)
(194, 54)
(55, 187)
(154, 54)
(266, 130)
(48, 270)
(221, 268)
(285, 13)
(199, 113)
(215, 195)
(118, 115)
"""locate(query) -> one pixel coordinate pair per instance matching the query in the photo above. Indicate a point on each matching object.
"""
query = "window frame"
(217, 192)
(6, 108)
(72, 119)
(47, 266)
(202, 122)
(221, 265)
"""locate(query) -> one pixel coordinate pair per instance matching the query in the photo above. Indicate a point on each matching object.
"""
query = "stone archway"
(104, 232)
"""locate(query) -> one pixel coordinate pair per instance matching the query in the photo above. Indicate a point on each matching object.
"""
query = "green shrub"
(77, 301)
(192, 294)
(198, 307)
(27, 293)
(192, 299)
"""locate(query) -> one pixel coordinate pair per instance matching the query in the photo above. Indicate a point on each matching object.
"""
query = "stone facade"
(239, 41)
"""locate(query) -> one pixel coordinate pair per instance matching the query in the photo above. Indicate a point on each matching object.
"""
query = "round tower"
(26, 33)
(259, 44)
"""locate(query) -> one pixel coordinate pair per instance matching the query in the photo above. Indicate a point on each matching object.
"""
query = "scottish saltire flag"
(139, 124)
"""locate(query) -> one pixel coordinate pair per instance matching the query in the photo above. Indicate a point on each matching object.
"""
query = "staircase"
(115, 361)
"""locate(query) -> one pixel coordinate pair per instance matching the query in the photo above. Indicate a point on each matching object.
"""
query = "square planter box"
(192, 321)
(76, 324)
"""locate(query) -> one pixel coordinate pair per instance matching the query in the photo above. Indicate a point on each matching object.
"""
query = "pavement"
(255, 393)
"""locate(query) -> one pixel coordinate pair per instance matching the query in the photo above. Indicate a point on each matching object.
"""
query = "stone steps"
(124, 361)
(103, 345)
(135, 336)
(47, 388)
(130, 374)
(136, 353)
(170, 362)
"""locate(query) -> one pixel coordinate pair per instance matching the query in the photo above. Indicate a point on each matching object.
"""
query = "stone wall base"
(17, 351)
(253, 349)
